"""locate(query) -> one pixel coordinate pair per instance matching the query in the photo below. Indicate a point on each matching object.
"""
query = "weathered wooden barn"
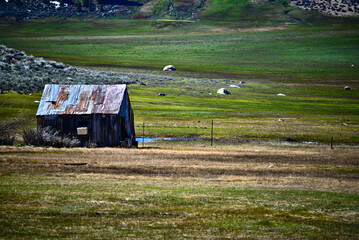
(99, 114)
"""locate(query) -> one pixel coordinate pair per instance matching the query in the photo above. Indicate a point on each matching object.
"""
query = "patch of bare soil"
(265, 167)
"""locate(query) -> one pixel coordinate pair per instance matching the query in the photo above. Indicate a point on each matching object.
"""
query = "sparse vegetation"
(48, 137)
(9, 126)
(161, 6)
(7, 131)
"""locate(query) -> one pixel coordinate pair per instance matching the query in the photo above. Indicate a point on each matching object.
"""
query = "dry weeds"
(244, 166)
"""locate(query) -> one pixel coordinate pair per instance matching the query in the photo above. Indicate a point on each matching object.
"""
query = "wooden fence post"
(143, 134)
(212, 134)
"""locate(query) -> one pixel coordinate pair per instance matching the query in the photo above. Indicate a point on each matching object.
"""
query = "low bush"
(8, 128)
(48, 137)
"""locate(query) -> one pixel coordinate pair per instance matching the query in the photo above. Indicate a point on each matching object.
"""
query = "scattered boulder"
(223, 91)
(243, 82)
(281, 95)
(162, 94)
(347, 88)
(169, 68)
(234, 86)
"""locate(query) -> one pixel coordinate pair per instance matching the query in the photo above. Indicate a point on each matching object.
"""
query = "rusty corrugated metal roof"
(81, 99)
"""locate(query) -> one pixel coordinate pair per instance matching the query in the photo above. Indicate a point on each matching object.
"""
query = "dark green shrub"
(7, 129)
(285, 3)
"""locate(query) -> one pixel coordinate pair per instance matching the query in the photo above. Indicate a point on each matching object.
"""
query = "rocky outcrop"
(22, 73)
(36, 9)
(178, 9)
(330, 7)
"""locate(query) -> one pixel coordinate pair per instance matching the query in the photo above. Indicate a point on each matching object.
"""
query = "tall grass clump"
(48, 137)
(9, 127)
(8, 130)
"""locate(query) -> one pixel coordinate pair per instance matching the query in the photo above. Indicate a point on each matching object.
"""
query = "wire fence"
(220, 131)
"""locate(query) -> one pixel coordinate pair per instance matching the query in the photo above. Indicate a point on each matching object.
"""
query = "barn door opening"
(124, 132)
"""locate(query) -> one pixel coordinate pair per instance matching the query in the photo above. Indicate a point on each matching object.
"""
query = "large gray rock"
(223, 91)
(169, 68)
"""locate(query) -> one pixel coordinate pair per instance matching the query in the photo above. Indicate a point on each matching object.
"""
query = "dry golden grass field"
(316, 168)
(287, 191)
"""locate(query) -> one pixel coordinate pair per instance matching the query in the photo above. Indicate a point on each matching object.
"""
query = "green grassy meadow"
(68, 207)
(210, 47)
(310, 64)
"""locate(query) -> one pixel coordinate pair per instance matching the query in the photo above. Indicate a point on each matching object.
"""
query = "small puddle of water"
(141, 140)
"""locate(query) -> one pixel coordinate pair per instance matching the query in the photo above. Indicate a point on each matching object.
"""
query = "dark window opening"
(84, 123)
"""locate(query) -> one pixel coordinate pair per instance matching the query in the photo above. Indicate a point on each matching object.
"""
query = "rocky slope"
(190, 9)
(21, 72)
(35, 9)
(178, 9)
(330, 7)
(24, 73)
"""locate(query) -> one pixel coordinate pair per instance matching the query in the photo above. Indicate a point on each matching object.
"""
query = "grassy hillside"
(213, 9)
(244, 10)
(274, 11)
(222, 48)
